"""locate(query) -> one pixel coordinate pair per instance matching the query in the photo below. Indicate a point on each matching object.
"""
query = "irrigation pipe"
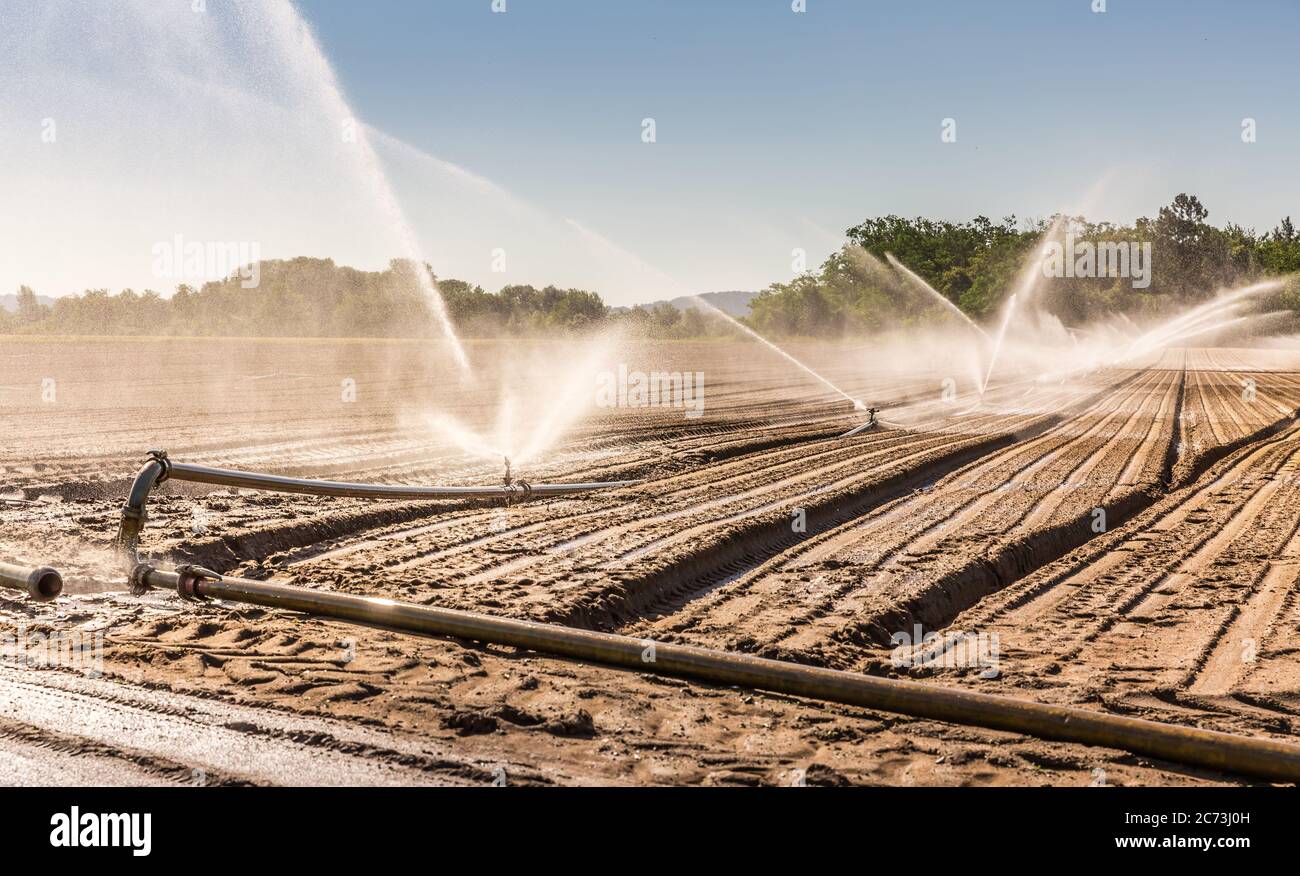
(160, 468)
(41, 583)
(1261, 758)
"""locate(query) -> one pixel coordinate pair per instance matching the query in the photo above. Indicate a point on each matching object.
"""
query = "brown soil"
(981, 519)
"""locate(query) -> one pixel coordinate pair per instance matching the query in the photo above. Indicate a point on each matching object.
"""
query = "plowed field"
(1126, 541)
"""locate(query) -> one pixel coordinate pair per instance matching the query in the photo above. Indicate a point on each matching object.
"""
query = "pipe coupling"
(160, 457)
(139, 579)
(188, 577)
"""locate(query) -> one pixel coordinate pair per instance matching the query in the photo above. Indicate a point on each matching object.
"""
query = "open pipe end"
(44, 584)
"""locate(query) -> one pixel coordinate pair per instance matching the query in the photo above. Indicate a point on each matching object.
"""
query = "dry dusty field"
(971, 515)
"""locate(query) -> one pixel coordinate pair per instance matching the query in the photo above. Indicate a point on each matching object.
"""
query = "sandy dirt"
(963, 515)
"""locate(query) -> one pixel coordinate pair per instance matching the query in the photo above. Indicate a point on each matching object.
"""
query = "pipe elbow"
(135, 511)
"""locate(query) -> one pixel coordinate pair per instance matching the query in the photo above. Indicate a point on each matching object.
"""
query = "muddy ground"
(961, 516)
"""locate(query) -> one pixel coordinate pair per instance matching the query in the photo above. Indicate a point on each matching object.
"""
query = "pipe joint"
(188, 578)
(139, 579)
(160, 457)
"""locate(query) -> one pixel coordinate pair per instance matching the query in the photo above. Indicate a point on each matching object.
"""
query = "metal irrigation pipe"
(1262, 758)
(858, 430)
(41, 583)
(869, 424)
(159, 468)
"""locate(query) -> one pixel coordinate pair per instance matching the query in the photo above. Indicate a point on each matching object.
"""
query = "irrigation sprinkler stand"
(871, 423)
(160, 468)
(512, 486)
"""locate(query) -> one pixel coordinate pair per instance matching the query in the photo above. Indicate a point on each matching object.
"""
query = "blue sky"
(777, 129)
(521, 132)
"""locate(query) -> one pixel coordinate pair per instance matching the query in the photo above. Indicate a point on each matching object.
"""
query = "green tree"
(30, 310)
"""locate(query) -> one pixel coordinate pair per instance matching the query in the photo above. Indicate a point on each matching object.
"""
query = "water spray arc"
(1181, 327)
(858, 405)
(1010, 310)
(294, 32)
(936, 295)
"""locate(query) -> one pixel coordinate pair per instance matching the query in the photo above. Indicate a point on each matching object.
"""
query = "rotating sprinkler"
(871, 422)
(41, 583)
(510, 485)
(160, 468)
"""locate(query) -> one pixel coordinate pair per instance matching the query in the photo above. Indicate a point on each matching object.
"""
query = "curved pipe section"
(134, 512)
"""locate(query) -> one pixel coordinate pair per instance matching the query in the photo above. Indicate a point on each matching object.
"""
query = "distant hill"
(10, 302)
(734, 303)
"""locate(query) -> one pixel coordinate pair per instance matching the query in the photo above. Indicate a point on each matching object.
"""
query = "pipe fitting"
(138, 579)
(134, 512)
(188, 577)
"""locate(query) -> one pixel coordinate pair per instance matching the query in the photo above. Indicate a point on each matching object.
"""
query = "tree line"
(974, 265)
(309, 297)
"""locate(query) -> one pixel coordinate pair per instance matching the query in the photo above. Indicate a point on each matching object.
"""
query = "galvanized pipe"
(1262, 758)
(870, 423)
(41, 583)
(159, 468)
(181, 471)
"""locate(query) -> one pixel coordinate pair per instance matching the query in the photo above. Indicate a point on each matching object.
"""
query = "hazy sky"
(774, 129)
